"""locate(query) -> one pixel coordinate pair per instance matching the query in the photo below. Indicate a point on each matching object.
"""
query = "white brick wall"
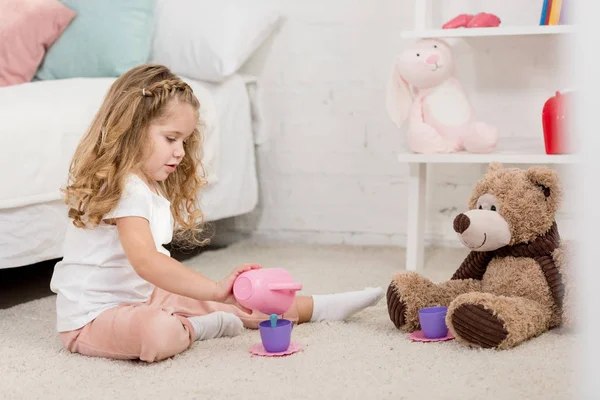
(328, 172)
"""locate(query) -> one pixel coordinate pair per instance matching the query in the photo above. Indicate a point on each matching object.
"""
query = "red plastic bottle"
(555, 124)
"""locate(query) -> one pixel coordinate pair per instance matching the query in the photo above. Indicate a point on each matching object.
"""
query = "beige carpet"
(362, 358)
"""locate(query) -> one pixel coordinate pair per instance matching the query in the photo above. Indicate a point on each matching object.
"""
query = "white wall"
(329, 171)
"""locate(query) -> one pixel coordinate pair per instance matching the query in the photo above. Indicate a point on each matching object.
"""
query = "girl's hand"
(224, 290)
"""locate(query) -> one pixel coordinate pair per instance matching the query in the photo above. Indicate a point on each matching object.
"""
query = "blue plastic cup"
(433, 322)
(276, 339)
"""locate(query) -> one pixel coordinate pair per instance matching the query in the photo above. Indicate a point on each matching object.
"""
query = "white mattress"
(32, 216)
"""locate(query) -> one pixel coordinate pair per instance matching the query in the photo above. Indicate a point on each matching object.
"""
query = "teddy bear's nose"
(461, 223)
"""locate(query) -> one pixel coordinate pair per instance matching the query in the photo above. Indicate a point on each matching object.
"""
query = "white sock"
(215, 325)
(339, 306)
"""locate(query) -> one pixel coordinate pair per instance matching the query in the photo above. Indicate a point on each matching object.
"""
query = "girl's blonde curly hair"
(116, 142)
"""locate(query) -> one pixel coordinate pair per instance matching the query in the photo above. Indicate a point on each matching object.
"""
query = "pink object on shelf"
(418, 336)
(481, 20)
(459, 21)
(484, 20)
(431, 100)
(259, 350)
(268, 290)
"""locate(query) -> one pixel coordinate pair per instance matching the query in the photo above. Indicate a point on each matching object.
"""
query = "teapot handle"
(285, 286)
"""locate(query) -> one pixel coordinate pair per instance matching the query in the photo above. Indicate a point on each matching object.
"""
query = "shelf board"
(494, 31)
(513, 151)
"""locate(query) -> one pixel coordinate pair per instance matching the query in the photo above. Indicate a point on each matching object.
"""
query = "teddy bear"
(512, 286)
(422, 88)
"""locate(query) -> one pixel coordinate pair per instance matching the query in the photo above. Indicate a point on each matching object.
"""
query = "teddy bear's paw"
(406, 295)
(396, 306)
(475, 324)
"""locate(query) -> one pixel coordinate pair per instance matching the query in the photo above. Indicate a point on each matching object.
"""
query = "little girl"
(133, 186)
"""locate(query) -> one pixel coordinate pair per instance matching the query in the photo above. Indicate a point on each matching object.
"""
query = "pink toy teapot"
(268, 290)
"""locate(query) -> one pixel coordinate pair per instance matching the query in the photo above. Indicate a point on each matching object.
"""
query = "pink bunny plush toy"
(423, 89)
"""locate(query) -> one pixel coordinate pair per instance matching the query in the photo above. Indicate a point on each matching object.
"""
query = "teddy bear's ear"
(494, 166)
(546, 180)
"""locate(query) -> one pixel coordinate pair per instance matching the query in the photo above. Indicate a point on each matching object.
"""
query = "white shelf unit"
(516, 151)
(509, 151)
(421, 30)
(496, 31)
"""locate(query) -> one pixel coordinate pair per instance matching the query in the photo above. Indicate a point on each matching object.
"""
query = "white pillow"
(209, 39)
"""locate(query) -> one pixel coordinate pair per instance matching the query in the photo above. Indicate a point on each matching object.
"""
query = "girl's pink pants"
(151, 331)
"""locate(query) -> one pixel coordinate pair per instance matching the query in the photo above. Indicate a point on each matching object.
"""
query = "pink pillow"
(27, 29)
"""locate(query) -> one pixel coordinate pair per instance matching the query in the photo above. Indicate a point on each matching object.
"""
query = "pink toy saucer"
(259, 350)
(418, 336)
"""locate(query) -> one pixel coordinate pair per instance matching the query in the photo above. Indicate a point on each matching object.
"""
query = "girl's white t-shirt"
(95, 274)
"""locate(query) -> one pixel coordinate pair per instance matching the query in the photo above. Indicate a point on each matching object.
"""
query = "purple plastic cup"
(277, 339)
(433, 322)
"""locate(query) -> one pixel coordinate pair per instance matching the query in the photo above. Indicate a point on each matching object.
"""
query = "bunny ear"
(399, 97)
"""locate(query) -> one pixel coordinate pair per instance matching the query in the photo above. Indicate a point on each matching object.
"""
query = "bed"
(41, 124)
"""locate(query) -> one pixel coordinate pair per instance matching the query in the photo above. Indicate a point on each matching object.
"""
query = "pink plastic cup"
(268, 290)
